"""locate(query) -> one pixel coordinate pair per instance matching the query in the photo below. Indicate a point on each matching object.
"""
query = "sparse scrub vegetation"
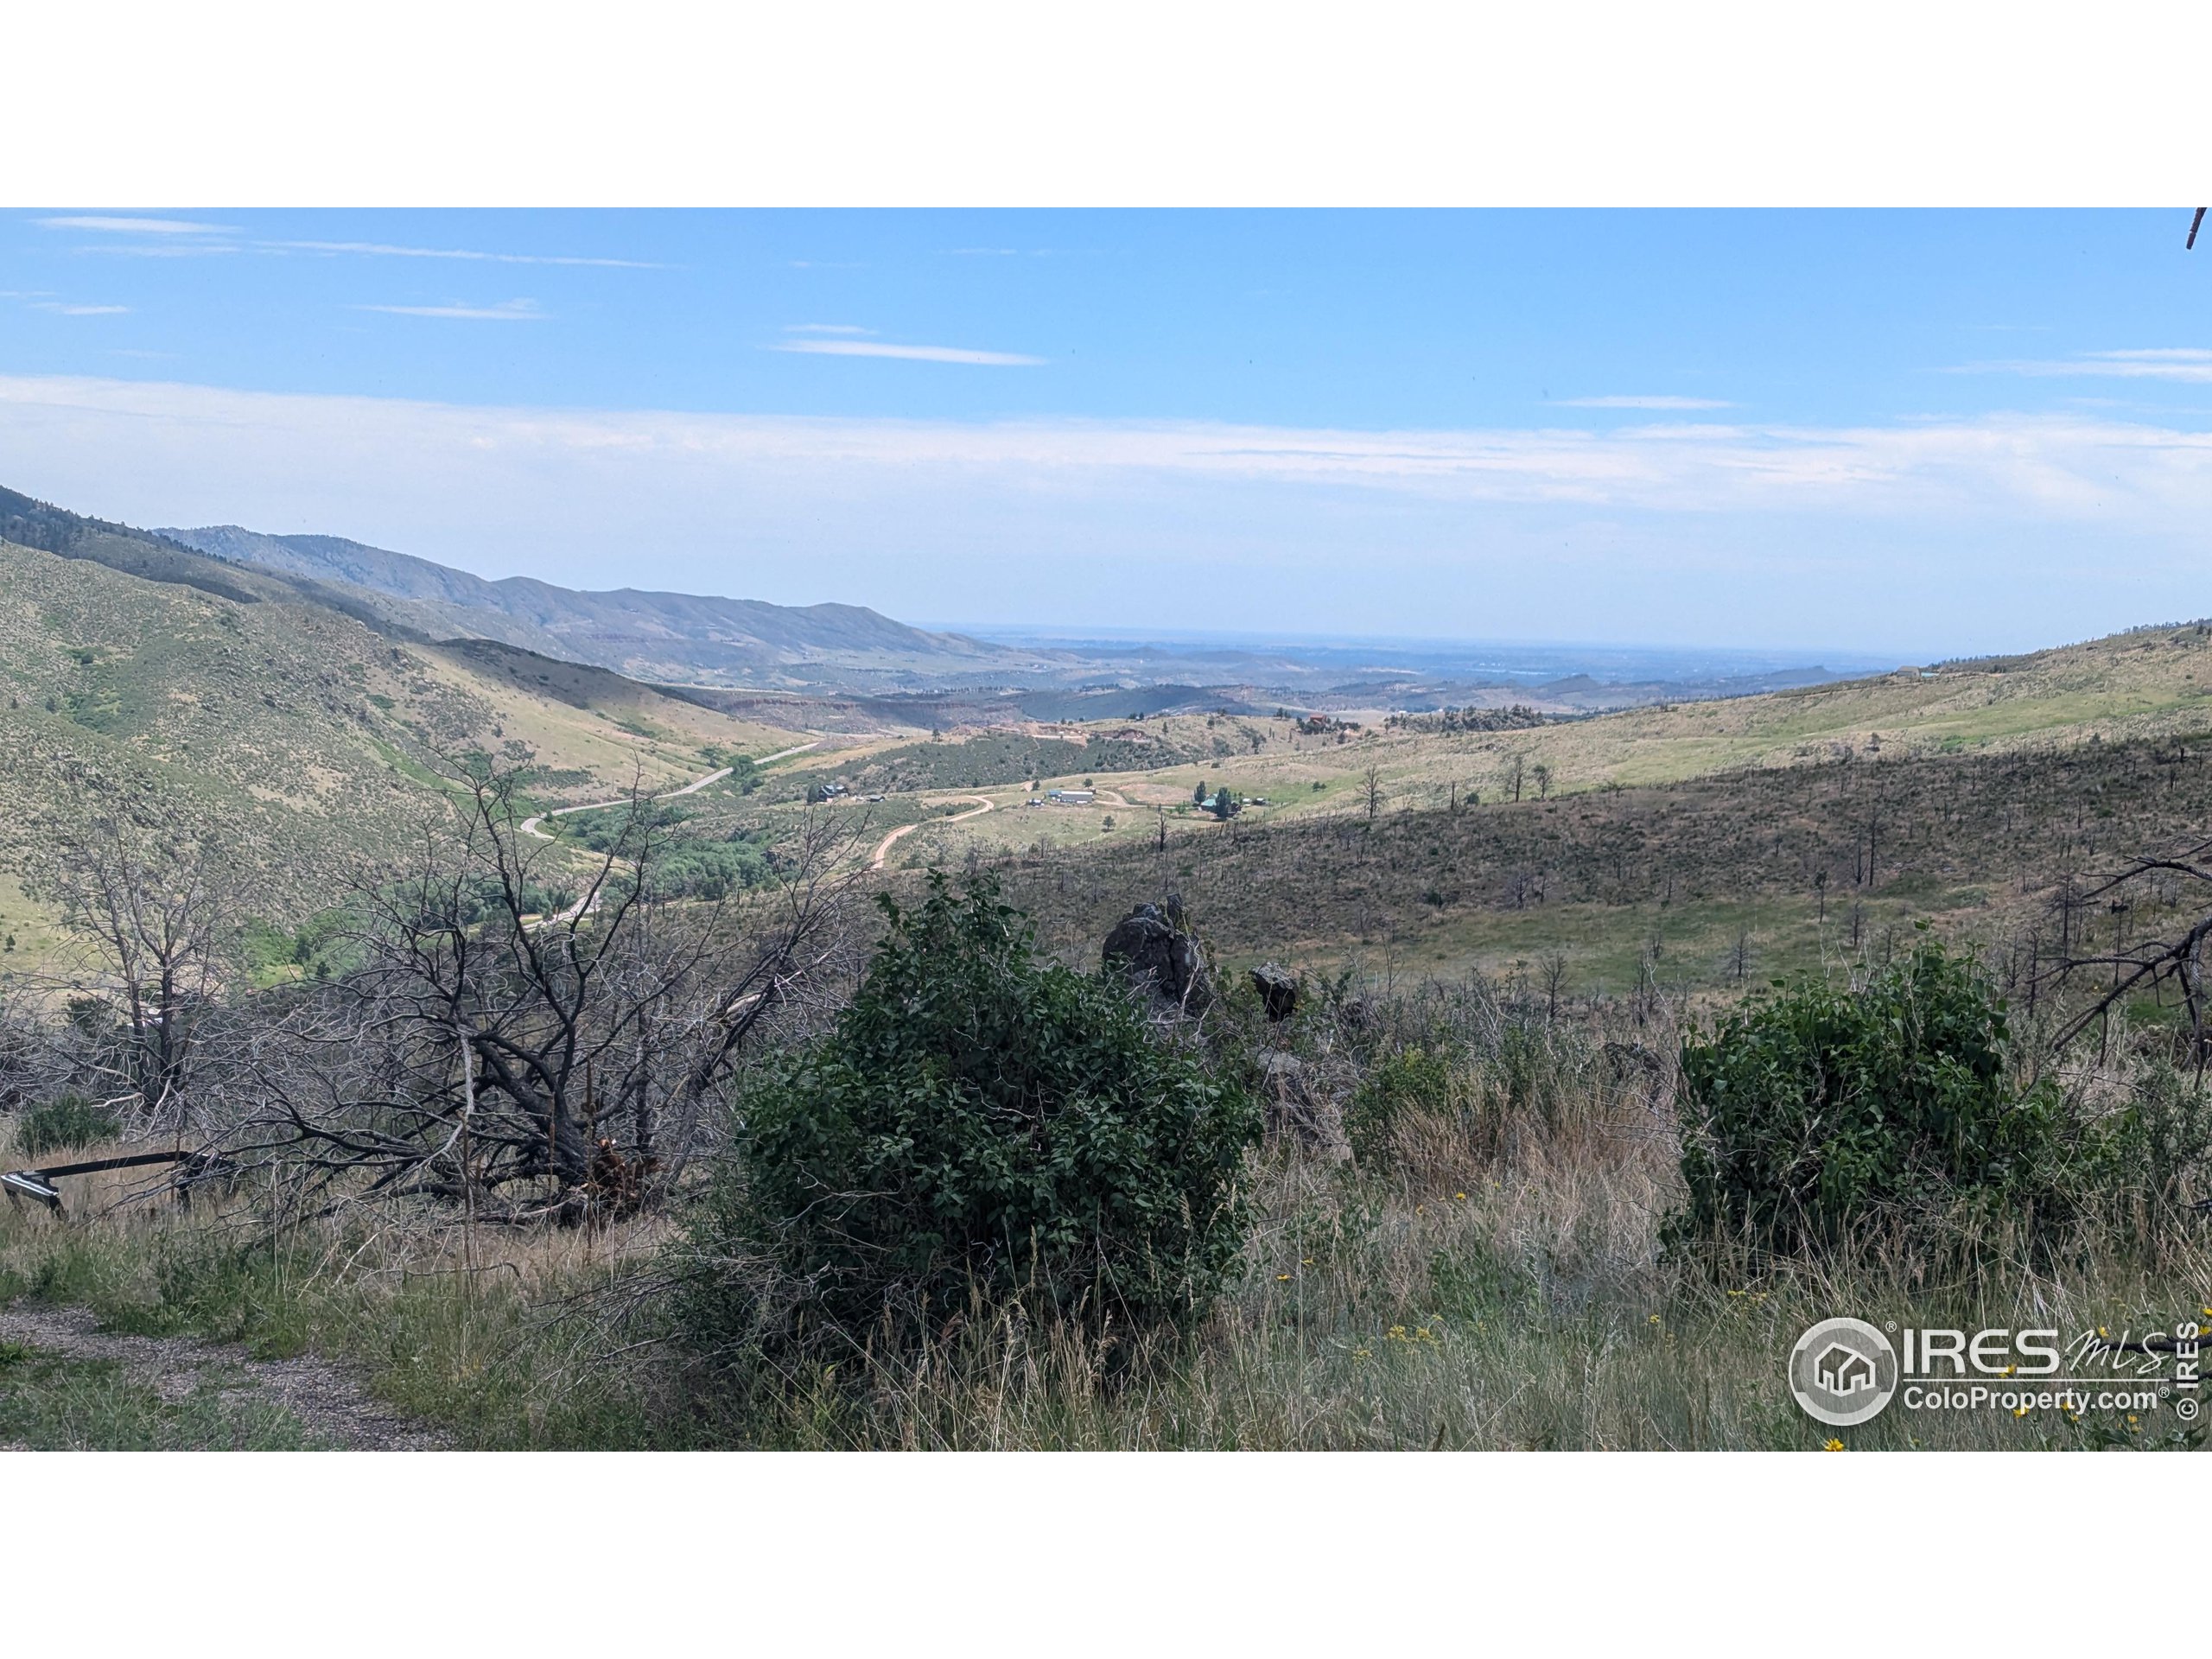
(628, 1130)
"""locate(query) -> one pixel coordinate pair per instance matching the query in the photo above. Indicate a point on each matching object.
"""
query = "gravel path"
(328, 1403)
(530, 825)
(883, 847)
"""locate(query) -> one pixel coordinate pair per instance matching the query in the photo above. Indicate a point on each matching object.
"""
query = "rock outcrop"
(1152, 946)
(1278, 989)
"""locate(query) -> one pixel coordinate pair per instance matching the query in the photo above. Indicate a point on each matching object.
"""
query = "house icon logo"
(1843, 1372)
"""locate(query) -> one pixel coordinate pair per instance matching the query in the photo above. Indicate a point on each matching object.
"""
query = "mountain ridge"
(642, 633)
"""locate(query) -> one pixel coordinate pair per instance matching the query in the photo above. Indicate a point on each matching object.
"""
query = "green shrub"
(1408, 1079)
(63, 1124)
(981, 1127)
(1812, 1114)
(2159, 1146)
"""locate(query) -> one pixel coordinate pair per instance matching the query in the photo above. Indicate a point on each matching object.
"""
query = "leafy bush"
(2159, 1144)
(1410, 1079)
(980, 1125)
(63, 1124)
(1812, 1112)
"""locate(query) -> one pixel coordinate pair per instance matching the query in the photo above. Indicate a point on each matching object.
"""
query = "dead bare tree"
(526, 1055)
(154, 905)
(2156, 967)
(1553, 969)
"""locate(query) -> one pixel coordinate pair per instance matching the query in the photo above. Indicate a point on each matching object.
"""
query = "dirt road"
(530, 825)
(883, 847)
(330, 1405)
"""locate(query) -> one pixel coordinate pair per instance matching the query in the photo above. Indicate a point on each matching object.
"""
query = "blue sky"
(1915, 433)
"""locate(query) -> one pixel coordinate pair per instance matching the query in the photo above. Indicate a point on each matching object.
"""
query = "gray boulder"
(1151, 946)
(1278, 989)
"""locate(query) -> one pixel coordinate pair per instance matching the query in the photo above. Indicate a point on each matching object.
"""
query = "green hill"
(137, 673)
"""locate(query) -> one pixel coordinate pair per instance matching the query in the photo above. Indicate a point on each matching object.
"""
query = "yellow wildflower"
(1833, 1445)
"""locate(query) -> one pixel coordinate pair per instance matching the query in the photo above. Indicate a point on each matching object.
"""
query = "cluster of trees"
(1223, 803)
(1520, 717)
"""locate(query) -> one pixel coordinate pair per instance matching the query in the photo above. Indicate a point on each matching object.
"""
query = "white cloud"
(1991, 466)
(914, 353)
(68, 310)
(383, 249)
(1992, 533)
(504, 311)
(134, 227)
(2150, 363)
(1642, 403)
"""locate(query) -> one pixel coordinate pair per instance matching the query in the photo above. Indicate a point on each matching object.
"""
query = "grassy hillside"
(294, 732)
(1700, 844)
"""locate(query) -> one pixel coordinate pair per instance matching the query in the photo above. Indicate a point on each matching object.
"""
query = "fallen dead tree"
(523, 1065)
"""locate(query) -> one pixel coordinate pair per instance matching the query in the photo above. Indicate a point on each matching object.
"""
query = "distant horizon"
(1945, 433)
(1249, 641)
(1227, 639)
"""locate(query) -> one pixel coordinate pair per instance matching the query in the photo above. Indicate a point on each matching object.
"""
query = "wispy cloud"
(189, 236)
(825, 328)
(136, 226)
(2149, 363)
(2057, 525)
(2103, 468)
(1641, 402)
(388, 250)
(64, 308)
(912, 353)
(505, 311)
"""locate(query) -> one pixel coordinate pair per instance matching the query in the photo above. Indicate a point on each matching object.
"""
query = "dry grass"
(1499, 1283)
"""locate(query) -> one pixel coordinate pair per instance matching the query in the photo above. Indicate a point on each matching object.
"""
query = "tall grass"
(1490, 1278)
